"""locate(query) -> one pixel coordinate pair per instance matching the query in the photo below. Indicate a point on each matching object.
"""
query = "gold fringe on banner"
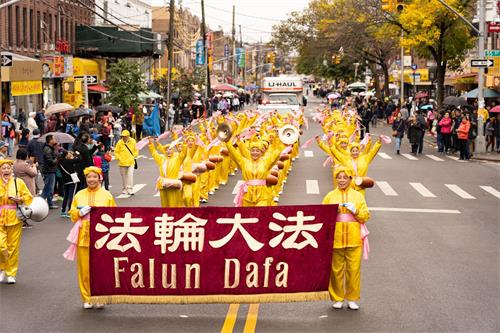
(211, 299)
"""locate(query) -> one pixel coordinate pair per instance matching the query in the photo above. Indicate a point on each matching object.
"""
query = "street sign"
(200, 52)
(493, 27)
(414, 67)
(480, 63)
(6, 61)
(226, 50)
(492, 53)
(91, 79)
(416, 77)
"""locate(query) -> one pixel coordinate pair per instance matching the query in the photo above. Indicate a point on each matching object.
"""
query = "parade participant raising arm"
(92, 196)
(13, 191)
(348, 245)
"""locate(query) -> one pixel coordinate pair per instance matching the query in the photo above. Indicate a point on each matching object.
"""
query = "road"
(433, 264)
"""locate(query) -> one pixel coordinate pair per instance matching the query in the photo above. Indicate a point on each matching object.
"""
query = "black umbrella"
(109, 108)
(455, 101)
(79, 113)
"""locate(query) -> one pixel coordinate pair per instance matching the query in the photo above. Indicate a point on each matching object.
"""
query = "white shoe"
(11, 280)
(276, 199)
(87, 306)
(211, 192)
(124, 192)
(338, 305)
(203, 200)
(2, 276)
(232, 174)
(353, 305)
(99, 306)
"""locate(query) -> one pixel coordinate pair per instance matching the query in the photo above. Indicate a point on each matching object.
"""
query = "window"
(44, 27)
(9, 25)
(105, 9)
(18, 26)
(38, 30)
(50, 34)
(32, 29)
(25, 27)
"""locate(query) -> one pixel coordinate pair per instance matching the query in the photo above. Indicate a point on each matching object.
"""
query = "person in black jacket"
(398, 129)
(49, 169)
(81, 146)
(414, 131)
(67, 163)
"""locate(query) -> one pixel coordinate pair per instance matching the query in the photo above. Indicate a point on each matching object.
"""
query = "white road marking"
(491, 190)
(435, 158)
(235, 190)
(422, 190)
(308, 153)
(312, 186)
(151, 158)
(414, 210)
(157, 194)
(384, 156)
(386, 188)
(410, 157)
(453, 157)
(141, 156)
(458, 191)
(135, 189)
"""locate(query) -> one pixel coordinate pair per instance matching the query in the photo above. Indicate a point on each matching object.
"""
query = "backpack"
(97, 161)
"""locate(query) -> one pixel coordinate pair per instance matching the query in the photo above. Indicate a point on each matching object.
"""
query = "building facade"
(136, 13)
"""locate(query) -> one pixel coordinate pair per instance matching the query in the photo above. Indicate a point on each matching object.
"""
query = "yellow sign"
(23, 88)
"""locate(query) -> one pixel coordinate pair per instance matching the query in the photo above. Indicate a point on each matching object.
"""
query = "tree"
(436, 33)
(183, 83)
(125, 84)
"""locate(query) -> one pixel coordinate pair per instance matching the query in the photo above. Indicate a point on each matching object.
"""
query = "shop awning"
(98, 88)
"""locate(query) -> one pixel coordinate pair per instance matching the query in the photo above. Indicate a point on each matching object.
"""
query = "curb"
(486, 159)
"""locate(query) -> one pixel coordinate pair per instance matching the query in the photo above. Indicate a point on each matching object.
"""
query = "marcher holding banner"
(13, 191)
(92, 196)
(348, 245)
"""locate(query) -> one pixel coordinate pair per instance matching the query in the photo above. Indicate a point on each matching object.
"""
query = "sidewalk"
(489, 156)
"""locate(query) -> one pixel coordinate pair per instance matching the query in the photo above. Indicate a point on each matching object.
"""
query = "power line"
(120, 20)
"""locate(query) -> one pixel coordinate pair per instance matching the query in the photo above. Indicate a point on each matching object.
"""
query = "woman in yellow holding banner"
(13, 191)
(350, 241)
(92, 196)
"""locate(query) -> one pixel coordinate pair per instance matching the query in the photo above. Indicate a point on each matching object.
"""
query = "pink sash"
(11, 207)
(364, 232)
(70, 253)
(243, 188)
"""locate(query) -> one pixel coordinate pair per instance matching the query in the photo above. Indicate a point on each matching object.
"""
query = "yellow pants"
(10, 240)
(346, 264)
(171, 198)
(83, 273)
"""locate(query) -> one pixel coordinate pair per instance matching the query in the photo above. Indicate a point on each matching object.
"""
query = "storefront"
(21, 85)
(91, 70)
(55, 68)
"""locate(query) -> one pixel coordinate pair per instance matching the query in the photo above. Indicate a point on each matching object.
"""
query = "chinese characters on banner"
(211, 255)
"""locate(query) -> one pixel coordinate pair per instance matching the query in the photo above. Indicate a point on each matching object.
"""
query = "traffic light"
(273, 57)
(336, 59)
(400, 6)
(268, 58)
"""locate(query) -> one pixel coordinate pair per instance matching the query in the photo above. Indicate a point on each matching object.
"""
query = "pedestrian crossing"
(412, 157)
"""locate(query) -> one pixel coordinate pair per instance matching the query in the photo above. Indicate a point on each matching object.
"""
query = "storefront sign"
(211, 255)
(25, 70)
(24, 88)
(57, 66)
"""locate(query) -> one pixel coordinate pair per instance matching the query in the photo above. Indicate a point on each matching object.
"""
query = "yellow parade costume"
(94, 198)
(10, 226)
(346, 261)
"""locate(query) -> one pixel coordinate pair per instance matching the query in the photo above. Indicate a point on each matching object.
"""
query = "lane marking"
(312, 186)
(458, 191)
(491, 190)
(435, 158)
(157, 194)
(384, 156)
(235, 190)
(410, 157)
(251, 322)
(232, 314)
(453, 157)
(422, 190)
(151, 158)
(386, 188)
(141, 156)
(308, 153)
(414, 210)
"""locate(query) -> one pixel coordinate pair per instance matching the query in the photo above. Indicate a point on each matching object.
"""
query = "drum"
(280, 165)
(198, 168)
(188, 177)
(284, 157)
(364, 182)
(210, 165)
(271, 180)
(274, 172)
(224, 152)
(215, 158)
(169, 183)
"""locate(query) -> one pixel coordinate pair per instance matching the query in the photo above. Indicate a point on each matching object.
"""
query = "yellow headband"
(354, 145)
(91, 169)
(257, 144)
(348, 171)
(2, 162)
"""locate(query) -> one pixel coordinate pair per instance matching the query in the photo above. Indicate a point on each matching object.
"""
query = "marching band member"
(13, 192)
(345, 279)
(92, 196)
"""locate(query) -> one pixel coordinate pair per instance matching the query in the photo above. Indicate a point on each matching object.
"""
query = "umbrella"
(455, 101)
(496, 109)
(58, 108)
(59, 136)
(333, 95)
(224, 87)
(357, 85)
(488, 93)
(149, 94)
(79, 113)
(426, 107)
(421, 94)
(109, 108)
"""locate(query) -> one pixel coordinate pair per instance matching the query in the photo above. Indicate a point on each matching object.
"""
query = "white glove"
(84, 211)
(350, 206)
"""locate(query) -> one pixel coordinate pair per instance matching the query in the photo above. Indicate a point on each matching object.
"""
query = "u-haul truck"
(282, 92)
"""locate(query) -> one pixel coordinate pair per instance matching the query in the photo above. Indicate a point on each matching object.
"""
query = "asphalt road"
(433, 264)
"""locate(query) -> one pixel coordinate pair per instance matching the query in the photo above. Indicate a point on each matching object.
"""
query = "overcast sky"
(266, 12)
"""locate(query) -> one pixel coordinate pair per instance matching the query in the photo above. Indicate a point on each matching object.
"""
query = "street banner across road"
(211, 255)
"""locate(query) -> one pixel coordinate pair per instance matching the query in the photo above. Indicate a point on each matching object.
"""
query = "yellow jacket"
(93, 198)
(169, 166)
(124, 157)
(361, 164)
(348, 234)
(8, 216)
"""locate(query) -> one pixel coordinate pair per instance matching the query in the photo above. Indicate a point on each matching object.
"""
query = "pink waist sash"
(243, 188)
(70, 253)
(11, 207)
(364, 232)
(346, 218)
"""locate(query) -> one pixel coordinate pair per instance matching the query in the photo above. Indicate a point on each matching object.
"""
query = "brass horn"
(288, 134)
(224, 132)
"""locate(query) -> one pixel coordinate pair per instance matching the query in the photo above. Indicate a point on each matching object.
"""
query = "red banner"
(211, 255)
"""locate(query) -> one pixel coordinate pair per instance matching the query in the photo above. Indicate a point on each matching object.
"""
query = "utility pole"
(244, 67)
(234, 45)
(480, 51)
(170, 50)
(205, 49)
(402, 88)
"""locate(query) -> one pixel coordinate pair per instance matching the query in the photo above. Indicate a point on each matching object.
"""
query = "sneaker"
(53, 207)
(124, 192)
(63, 214)
(353, 305)
(11, 280)
(338, 305)
(276, 199)
(26, 225)
(87, 306)
(211, 193)
(203, 200)
(2, 276)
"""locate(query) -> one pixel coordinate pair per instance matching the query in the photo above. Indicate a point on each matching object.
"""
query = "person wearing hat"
(126, 153)
(13, 192)
(91, 196)
(348, 245)
(4, 146)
